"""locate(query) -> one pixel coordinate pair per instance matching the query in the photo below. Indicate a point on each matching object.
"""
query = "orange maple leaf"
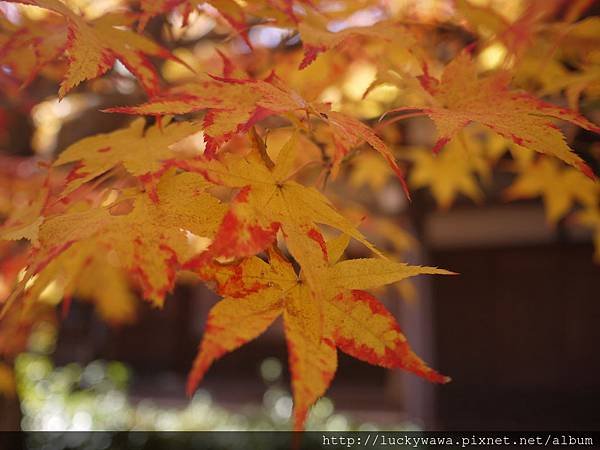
(317, 38)
(279, 11)
(150, 241)
(235, 105)
(518, 35)
(560, 187)
(269, 200)
(344, 316)
(141, 151)
(94, 47)
(349, 133)
(32, 46)
(88, 273)
(461, 97)
(232, 12)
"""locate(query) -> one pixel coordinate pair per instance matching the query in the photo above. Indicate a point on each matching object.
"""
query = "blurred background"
(517, 330)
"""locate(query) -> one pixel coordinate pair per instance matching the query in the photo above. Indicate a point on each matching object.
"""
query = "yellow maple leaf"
(342, 316)
(560, 187)
(518, 33)
(349, 133)
(87, 270)
(231, 11)
(150, 241)
(447, 174)
(484, 20)
(94, 47)
(24, 222)
(389, 234)
(141, 151)
(235, 105)
(107, 286)
(461, 97)
(32, 46)
(22, 198)
(232, 105)
(369, 171)
(317, 36)
(269, 200)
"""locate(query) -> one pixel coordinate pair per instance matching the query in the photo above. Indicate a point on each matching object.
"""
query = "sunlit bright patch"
(50, 115)
(493, 56)
(198, 244)
(96, 8)
(52, 293)
(359, 78)
(264, 36)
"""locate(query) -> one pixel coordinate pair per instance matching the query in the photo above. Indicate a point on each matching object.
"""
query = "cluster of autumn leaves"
(245, 210)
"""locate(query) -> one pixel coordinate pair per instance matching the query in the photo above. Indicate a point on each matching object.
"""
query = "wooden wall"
(518, 331)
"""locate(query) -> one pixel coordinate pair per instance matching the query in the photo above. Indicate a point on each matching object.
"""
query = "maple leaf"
(281, 12)
(23, 195)
(87, 270)
(316, 37)
(369, 171)
(448, 174)
(235, 105)
(460, 97)
(141, 151)
(107, 286)
(152, 8)
(384, 230)
(31, 47)
(349, 133)
(21, 180)
(521, 34)
(343, 316)
(386, 233)
(560, 187)
(24, 221)
(269, 200)
(578, 40)
(231, 11)
(150, 241)
(516, 36)
(541, 48)
(94, 47)
(482, 19)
